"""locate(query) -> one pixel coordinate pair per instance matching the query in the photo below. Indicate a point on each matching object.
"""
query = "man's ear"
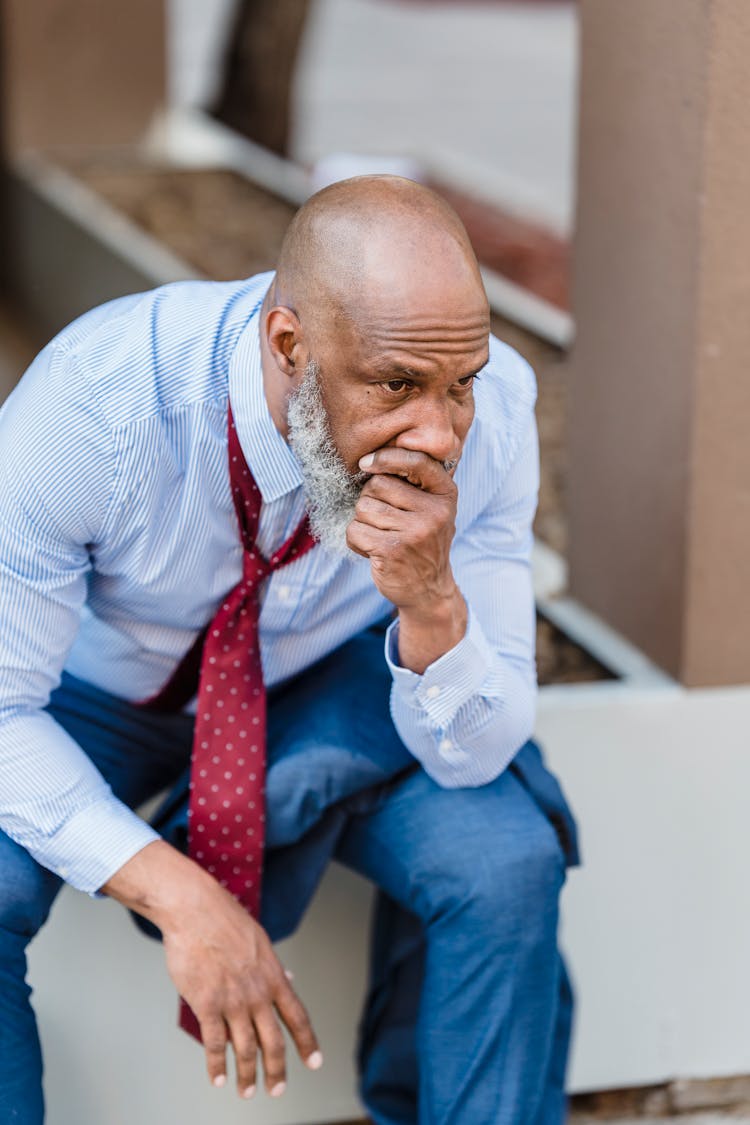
(284, 337)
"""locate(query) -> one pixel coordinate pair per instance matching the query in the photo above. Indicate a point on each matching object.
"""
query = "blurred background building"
(488, 89)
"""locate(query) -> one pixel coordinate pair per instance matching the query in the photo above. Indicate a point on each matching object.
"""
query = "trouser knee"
(26, 891)
(510, 893)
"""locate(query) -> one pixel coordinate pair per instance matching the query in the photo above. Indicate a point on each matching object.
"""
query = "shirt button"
(433, 692)
(283, 593)
(445, 746)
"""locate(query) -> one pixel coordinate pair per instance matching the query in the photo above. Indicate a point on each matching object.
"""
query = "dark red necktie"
(226, 815)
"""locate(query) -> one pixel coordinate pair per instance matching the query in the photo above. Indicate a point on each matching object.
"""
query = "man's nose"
(432, 431)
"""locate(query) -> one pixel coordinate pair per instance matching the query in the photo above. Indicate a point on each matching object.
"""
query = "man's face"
(396, 380)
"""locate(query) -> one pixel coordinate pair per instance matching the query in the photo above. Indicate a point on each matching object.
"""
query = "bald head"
(378, 301)
(363, 244)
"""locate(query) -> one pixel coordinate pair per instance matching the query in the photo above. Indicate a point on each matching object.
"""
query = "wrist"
(160, 883)
(440, 612)
(425, 633)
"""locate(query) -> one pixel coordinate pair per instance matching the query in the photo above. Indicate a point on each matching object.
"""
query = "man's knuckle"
(374, 487)
(205, 1005)
(274, 1064)
(246, 1052)
(214, 1045)
(258, 1000)
(274, 1042)
(235, 1003)
(283, 989)
(273, 1047)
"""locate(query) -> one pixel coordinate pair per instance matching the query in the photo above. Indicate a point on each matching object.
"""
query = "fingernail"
(366, 461)
(315, 1060)
(288, 974)
(249, 1092)
(278, 1089)
(220, 1080)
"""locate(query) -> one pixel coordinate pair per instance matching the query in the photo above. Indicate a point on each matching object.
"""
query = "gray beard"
(332, 491)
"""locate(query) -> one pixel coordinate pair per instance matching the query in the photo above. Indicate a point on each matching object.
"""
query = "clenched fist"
(404, 524)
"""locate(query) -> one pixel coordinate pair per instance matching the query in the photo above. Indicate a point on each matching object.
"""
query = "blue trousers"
(467, 1020)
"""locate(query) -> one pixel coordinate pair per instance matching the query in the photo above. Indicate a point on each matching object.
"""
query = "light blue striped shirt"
(118, 540)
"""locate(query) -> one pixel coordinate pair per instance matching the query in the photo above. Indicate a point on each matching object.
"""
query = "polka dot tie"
(226, 814)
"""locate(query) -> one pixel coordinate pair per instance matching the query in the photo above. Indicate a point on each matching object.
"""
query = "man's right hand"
(222, 963)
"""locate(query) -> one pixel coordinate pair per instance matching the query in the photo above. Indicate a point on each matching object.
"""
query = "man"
(362, 386)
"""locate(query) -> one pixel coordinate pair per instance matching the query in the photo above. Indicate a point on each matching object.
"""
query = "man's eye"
(397, 385)
(467, 380)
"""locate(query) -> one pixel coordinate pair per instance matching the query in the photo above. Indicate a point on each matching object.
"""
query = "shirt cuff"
(447, 683)
(95, 843)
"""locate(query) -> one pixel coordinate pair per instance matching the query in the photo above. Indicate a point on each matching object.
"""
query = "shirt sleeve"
(471, 710)
(58, 476)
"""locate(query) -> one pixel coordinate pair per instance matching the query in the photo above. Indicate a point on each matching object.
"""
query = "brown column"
(80, 71)
(659, 491)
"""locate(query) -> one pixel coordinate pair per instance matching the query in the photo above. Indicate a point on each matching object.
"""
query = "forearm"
(163, 885)
(55, 803)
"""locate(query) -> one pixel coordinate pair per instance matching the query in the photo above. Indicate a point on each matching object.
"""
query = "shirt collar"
(269, 457)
